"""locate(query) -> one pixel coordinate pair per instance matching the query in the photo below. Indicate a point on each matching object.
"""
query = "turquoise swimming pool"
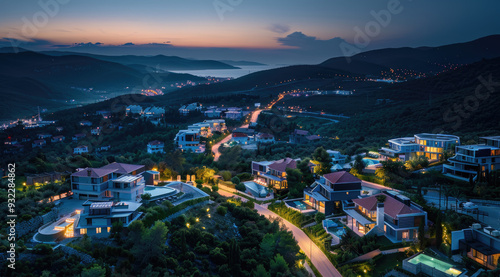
(368, 161)
(334, 228)
(436, 264)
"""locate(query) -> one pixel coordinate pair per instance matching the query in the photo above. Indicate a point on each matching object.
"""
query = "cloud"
(128, 44)
(87, 44)
(279, 28)
(302, 41)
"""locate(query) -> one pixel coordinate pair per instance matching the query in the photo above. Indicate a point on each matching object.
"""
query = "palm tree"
(457, 194)
(447, 193)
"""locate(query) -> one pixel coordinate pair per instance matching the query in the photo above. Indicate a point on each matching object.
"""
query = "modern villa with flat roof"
(481, 244)
(471, 160)
(98, 183)
(326, 194)
(429, 145)
(97, 218)
(397, 217)
(273, 173)
(189, 141)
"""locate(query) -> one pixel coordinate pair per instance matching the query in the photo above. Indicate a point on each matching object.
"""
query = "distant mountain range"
(55, 77)
(31, 79)
(158, 61)
(420, 59)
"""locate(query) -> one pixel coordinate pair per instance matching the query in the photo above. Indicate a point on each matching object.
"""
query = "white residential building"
(431, 146)
(471, 160)
(97, 218)
(155, 146)
(134, 109)
(95, 183)
(186, 109)
(81, 149)
(337, 158)
(154, 112)
(217, 125)
(189, 141)
(202, 128)
(265, 138)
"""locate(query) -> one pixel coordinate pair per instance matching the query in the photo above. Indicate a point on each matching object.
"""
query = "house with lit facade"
(479, 243)
(471, 160)
(97, 218)
(113, 181)
(431, 146)
(273, 173)
(326, 194)
(397, 217)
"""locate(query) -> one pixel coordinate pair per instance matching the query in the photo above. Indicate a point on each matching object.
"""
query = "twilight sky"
(269, 31)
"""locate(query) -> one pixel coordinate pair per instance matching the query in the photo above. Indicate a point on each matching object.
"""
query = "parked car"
(469, 206)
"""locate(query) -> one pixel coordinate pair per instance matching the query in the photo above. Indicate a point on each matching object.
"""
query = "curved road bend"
(215, 147)
(317, 257)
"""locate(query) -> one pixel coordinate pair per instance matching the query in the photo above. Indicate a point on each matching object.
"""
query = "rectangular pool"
(436, 264)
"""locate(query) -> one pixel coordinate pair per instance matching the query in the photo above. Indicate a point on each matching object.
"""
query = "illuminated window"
(347, 193)
(83, 231)
(109, 229)
(406, 234)
(98, 230)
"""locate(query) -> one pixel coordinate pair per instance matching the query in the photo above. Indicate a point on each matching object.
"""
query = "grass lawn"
(386, 262)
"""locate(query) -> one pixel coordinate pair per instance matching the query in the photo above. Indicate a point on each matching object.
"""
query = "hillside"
(158, 61)
(32, 79)
(446, 103)
(421, 59)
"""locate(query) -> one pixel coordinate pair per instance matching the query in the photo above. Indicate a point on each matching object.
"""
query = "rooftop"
(341, 177)
(437, 136)
(126, 178)
(282, 165)
(123, 168)
(392, 206)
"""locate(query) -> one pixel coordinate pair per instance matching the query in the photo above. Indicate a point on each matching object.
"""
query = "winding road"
(215, 148)
(317, 257)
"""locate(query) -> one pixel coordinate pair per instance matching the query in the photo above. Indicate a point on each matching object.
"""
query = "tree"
(319, 217)
(359, 165)
(94, 271)
(261, 271)
(421, 235)
(325, 162)
(278, 265)
(240, 187)
(226, 175)
(439, 230)
(307, 175)
(267, 247)
(146, 196)
(295, 184)
(205, 174)
(151, 243)
(235, 180)
(222, 210)
(457, 194)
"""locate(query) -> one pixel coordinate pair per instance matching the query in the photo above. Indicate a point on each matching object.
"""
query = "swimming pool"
(159, 192)
(256, 189)
(334, 228)
(368, 161)
(436, 264)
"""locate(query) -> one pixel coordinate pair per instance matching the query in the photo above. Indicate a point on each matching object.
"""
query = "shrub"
(319, 217)
(241, 187)
(222, 210)
(215, 188)
(146, 196)
(42, 249)
(235, 180)
(226, 175)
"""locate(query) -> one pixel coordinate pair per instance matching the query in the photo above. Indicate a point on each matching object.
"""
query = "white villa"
(97, 218)
(98, 183)
(429, 145)
(471, 160)
(155, 146)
